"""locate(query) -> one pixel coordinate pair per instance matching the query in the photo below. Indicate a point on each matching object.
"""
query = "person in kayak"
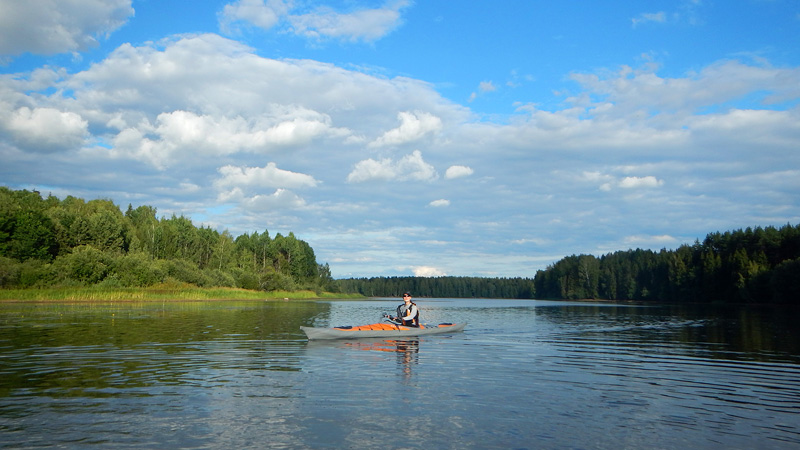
(407, 313)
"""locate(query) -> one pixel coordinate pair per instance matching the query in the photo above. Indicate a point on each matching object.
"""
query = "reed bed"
(156, 293)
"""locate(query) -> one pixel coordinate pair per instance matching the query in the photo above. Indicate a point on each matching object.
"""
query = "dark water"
(525, 374)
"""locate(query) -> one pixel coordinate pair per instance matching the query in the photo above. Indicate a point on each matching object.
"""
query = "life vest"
(401, 312)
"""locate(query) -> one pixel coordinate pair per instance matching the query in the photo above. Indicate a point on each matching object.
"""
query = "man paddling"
(407, 313)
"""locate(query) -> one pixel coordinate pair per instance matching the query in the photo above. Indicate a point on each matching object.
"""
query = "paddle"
(391, 320)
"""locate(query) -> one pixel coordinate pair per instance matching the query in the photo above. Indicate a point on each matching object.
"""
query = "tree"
(33, 236)
(144, 222)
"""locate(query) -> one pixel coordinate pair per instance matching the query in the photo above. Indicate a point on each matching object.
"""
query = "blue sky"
(414, 138)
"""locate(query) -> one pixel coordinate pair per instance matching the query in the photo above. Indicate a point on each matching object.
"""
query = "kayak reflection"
(407, 351)
(386, 345)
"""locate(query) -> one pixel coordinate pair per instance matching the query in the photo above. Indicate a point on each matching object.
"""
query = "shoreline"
(157, 293)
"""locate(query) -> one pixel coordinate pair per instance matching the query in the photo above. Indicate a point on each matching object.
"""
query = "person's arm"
(392, 318)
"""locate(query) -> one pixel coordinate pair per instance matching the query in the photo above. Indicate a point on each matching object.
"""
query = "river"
(524, 374)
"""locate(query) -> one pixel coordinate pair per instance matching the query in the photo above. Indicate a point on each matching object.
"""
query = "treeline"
(441, 287)
(760, 265)
(47, 242)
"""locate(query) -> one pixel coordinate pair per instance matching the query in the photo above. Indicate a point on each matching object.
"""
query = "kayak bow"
(381, 330)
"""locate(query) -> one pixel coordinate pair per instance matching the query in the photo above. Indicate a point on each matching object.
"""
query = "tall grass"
(164, 292)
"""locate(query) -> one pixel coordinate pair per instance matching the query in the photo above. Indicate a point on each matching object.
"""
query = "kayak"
(379, 330)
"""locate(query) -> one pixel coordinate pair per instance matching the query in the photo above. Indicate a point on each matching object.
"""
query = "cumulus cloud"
(628, 90)
(49, 27)
(360, 25)
(181, 133)
(281, 199)
(410, 166)
(260, 13)
(413, 127)
(640, 182)
(212, 96)
(45, 130)
(258, 177)
(427, 271)
(440, 203)
(639, 240)
(366, 25)
(457, 172)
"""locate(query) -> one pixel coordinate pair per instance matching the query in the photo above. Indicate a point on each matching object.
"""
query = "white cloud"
(659, 17)
(483, 87)
(413, 127)
(281, 199)
(206, 95)
(322, 22)
(607, 182)
(624, 92)
(261, 13)
(182, 133)
(259, 177)
(410, 166)
(45, 130)
(361, 25)
(640, 182)
(440, 203)
(49, 27)
(427, 271)
(640, 240)
(458, 172)
(487, 86)
(595, 176)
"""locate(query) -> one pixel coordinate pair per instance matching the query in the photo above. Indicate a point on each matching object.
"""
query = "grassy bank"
(156, 293)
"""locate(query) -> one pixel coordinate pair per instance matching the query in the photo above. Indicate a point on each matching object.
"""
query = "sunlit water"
(524, 374)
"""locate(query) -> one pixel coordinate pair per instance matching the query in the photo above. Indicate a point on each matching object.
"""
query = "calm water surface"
(525, 374)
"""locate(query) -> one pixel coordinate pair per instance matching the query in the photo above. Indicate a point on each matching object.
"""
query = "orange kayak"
(383, 329)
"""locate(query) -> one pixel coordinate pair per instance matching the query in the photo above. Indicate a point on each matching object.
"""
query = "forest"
(47, 242)
(441, 287)
(755, 265)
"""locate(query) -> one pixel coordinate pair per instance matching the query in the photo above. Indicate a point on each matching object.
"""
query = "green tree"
(144, 222)
(33, 236)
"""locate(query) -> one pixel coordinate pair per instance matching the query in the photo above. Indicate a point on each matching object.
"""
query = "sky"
(399, 137)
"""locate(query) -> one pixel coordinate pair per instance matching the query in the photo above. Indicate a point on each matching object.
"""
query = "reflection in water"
(725, 332)
(407, 350)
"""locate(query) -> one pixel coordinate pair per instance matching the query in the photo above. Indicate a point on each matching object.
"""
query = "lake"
(524, 374)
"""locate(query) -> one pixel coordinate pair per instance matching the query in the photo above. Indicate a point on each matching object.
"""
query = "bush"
(137, 270)
(37, 273)
(9, 272)
(245, 279)
(86, 265)
(185, 271)
(219, 278)
(276, 281)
